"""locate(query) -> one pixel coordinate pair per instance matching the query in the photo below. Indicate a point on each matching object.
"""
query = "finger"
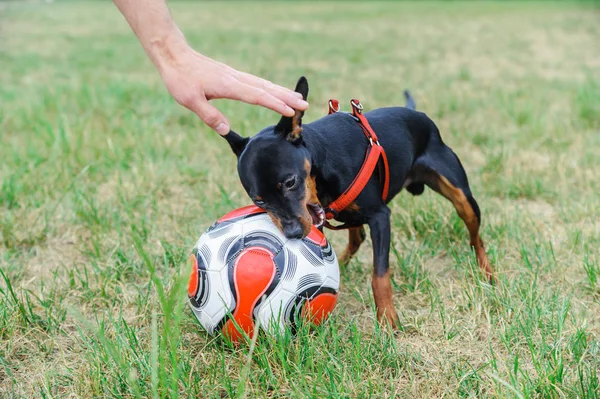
(289, 97)
(254, 95)
(293, 99)
(212, 117)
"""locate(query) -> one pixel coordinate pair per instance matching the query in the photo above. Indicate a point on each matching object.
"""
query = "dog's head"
(274, 168)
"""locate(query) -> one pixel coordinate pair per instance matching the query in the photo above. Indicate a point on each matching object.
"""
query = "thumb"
(212, 117)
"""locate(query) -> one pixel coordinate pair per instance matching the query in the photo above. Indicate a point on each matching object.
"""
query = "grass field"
(106, 183)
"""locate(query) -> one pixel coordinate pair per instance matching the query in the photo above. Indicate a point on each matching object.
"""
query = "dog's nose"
(293, 231)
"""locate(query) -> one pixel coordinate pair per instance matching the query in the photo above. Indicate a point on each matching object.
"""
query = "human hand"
(194, 79)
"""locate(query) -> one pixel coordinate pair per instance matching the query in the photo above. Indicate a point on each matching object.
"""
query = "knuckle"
(229, 86)
(261, 97)
(210, 118)
(267, 84)
(186, 99)
(229, 82)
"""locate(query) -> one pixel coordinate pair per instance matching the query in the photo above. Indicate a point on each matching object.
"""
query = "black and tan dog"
(293, 171)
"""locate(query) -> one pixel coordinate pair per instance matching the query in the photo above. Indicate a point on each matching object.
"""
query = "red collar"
(374, 152)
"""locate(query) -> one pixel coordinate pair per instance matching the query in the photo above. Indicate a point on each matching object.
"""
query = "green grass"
(106, 183)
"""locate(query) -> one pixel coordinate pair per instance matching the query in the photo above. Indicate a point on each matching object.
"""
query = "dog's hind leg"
(442, 171)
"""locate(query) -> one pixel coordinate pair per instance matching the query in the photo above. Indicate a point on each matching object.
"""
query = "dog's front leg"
(379, 225)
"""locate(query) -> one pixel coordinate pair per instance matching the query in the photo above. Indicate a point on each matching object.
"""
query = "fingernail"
(222, 129)
(299, 95)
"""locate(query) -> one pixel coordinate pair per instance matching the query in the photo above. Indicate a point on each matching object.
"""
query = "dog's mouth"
(317, 214)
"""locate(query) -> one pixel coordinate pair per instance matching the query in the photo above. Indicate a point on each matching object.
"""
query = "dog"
(294, 171)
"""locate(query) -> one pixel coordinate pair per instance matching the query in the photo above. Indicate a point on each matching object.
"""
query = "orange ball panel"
(193, 282)
(253, 272)
(244, 211)
(318, 308)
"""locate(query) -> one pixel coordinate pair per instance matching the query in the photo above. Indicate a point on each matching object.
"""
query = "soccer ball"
(245, 270)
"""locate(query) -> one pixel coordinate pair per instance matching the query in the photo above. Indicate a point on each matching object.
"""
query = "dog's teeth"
(318, 212)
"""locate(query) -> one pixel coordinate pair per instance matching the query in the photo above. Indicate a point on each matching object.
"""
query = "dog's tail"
(410, 101)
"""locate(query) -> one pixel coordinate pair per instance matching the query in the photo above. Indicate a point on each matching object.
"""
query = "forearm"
(152, 23)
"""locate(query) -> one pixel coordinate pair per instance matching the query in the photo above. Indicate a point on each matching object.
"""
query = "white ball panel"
(332, 283)
(272, 311)
(262, 223)
(218, 303)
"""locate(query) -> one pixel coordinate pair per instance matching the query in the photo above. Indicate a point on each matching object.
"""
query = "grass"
(106, 183)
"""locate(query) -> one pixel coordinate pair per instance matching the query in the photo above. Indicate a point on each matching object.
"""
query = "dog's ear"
(236, 142)
(302, 87)
(291, 128)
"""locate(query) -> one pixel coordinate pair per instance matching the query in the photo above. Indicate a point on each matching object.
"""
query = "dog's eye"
(290, 183)
(259, 203)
